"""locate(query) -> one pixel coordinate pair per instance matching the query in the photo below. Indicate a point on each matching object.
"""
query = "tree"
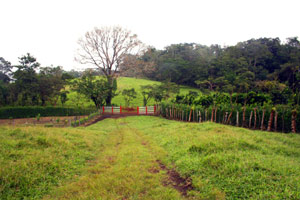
(95, 89)
(106, 49)
(64, 97)
(26, 80)
(129, 95)
(5, 70)
(147, 92)
(50, 84)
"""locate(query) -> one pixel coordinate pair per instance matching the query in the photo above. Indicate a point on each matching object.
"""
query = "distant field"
(123, 158)
(124, 83)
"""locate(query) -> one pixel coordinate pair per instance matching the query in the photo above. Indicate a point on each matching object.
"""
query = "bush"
(33, 111)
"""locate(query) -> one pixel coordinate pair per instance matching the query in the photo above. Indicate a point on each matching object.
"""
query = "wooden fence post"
(255, 118)
(120, 109)
(138, 111)
(262, 120)
(237, 118)
(250, 120)
(275, 121)
(200, 116)
(294, 116)
(270, 120)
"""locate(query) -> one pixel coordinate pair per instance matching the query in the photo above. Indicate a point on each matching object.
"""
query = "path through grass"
(122, 158)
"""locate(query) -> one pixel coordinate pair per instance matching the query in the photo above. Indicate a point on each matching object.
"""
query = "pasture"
(146, 157)
(123, 83)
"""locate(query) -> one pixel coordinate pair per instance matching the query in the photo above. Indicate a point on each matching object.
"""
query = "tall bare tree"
(106, 49)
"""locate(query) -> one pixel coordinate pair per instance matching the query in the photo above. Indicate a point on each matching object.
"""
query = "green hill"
(123, 83)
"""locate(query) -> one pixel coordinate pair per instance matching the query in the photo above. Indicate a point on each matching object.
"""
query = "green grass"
(35, 159)
(123, 83)
(112, 160)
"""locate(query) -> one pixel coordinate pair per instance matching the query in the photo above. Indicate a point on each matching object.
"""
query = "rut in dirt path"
(182, 185)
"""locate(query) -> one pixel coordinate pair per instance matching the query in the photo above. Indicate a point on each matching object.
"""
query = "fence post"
(154, 109)
(146, 110)
(112, 110)
(102, 109)
(137, 110)
(120, 109)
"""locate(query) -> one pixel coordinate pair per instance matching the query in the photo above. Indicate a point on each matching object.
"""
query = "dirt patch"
(105, 116)
(183, 185)
(43, 120)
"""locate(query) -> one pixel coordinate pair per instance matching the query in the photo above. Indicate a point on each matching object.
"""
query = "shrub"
(33, 111)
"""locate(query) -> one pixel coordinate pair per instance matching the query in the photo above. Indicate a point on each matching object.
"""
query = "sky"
(49, 29)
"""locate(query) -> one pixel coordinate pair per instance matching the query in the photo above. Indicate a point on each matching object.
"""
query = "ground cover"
(144, 157)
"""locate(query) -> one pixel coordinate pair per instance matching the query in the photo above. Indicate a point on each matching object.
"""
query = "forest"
(258, 71)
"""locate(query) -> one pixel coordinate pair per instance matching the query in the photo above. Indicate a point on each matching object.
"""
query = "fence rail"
(139, 110)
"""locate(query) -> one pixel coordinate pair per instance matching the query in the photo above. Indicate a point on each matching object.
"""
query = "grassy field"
(122, 158)
(123, 83)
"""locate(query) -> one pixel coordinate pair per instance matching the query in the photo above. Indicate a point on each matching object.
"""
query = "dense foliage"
(29, 84)
(264, 65)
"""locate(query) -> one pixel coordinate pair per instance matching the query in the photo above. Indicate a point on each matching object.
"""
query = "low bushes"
(85, 119)
(33, 111)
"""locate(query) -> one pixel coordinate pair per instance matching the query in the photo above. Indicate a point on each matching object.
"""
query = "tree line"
(264, 66)
(29, 84)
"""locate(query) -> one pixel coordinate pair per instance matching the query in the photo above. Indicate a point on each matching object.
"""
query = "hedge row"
(33, 111)
(85, 119)
(277, 119)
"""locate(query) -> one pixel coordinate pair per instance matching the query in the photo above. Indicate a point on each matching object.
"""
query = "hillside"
(123, 83)
(140, 158)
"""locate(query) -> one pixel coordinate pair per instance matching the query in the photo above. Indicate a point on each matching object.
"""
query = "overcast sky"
(49, 29)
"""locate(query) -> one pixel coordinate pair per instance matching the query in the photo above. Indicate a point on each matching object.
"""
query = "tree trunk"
(216, 114)
(193, 115)
(109, 95)
(200, 120)
(275, 121)
(212, 114)
(190, 116)
(255, 118)
(244, 116)
(262, 120)
(237, 118)
(270, 120)
(228, 120)
(226, 116)
(250, 120)
(294, 116)
(282, 118)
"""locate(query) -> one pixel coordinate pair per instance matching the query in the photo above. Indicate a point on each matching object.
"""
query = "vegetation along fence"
(279, 119)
